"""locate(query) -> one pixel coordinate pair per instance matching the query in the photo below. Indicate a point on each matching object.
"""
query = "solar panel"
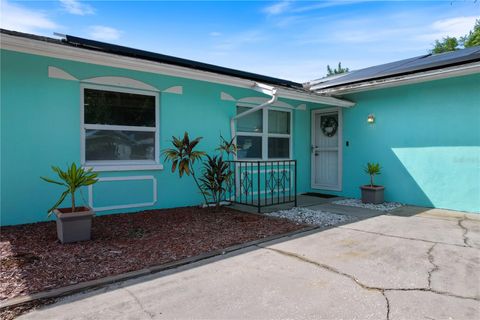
(425, 62)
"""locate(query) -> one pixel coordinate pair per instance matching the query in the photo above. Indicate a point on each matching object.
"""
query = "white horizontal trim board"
(118, 128)
(113, 168)
(124, 206)
(42, 48)
(121, 82)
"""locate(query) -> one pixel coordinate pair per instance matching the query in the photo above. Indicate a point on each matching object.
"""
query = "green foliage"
(447, 44)
(74, 178)
(216, 178)
(183, 156)
(338, 70)
(372, 169)
(472, 39)
(451, 43)
(228, 147)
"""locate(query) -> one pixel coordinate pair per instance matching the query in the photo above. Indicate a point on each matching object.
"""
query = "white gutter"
(263, 88)
(401, 80)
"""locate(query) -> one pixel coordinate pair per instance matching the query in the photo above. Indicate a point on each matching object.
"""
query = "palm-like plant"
(372, 169)
(215, 178)
(229, 147)
(183, 156)
(74, 178)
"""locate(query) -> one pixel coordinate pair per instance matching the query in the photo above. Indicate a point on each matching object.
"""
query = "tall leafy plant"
(72, 179)
(217, 174)
(372, 169)
(215, 178)
(183, 157)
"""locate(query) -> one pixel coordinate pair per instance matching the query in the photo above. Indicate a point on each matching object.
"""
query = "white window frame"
(265, 134)
(119, 165)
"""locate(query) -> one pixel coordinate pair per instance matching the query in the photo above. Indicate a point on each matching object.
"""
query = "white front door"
(327, 149)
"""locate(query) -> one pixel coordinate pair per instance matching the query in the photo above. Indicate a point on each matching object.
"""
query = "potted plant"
(372, 193)
(74, 223)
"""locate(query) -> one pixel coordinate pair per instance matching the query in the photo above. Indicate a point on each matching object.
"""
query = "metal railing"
(263, 183)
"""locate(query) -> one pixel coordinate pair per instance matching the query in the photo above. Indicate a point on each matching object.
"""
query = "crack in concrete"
(465, 231)
(145, 311)
(431, 259)
(388, 304)
(406, 238)
(364, 286)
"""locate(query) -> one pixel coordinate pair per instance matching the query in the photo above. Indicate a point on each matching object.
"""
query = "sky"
(293, 40)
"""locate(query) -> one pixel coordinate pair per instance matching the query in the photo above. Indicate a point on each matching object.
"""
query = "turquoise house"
(114, 109)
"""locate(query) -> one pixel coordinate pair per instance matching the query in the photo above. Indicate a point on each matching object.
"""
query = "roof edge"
(395, 81)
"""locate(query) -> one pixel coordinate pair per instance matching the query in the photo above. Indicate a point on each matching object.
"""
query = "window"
(264, 134)
(119, 127)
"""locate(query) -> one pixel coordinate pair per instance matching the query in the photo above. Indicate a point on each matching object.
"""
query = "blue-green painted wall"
(426, 138)
(40, 127)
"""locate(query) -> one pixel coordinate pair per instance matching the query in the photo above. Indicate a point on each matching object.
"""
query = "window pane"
(119, 145)
(278, 122)
(251, 122)
(119, 108)
(278, 148)
(249, 147)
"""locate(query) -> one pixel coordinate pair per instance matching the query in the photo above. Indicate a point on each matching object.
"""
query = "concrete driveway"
(425, 266)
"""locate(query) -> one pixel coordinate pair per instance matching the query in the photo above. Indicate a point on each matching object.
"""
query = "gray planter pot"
(372, 194)
(74, 226)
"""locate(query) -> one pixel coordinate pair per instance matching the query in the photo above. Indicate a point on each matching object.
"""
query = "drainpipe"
(268, 90)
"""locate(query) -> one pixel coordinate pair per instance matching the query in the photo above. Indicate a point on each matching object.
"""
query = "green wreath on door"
(329, 125)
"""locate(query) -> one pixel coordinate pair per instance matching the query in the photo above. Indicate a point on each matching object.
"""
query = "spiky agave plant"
(372, 169)
(74, 178)
(183, 156)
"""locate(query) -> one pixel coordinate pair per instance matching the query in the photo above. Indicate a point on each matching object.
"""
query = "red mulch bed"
(33, 260)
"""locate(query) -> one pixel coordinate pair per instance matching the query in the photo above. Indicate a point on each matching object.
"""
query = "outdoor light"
(371, 118)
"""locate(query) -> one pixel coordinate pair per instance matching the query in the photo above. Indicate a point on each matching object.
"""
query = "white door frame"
(337, 187)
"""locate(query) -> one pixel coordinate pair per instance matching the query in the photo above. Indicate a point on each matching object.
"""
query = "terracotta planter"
(372, 194)
(74, 226)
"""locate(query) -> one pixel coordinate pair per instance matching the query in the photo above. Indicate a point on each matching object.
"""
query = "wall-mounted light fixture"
(371, 118)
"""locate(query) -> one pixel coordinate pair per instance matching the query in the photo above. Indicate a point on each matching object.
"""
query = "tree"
(451, 43)
(338, 70)
(472, 39)
(447, 44)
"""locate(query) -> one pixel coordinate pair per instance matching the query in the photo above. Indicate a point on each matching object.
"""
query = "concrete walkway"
(425, 266)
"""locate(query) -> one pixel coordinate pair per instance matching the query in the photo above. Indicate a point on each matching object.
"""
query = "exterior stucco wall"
(426, 138)
(40, 127)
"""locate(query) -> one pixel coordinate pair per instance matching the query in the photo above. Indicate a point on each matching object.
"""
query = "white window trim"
(265, 135)
(119, 165)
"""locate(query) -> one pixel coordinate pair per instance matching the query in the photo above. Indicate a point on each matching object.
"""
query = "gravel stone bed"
(311, 217)
(386, 206)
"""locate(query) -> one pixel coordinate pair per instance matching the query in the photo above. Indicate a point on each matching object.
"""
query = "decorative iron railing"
(263, 183)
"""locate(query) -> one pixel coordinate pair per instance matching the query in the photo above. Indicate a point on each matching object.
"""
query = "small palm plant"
(183, 156)
(74, 178)
(372, 169)
(228, 147)
(215, 178)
